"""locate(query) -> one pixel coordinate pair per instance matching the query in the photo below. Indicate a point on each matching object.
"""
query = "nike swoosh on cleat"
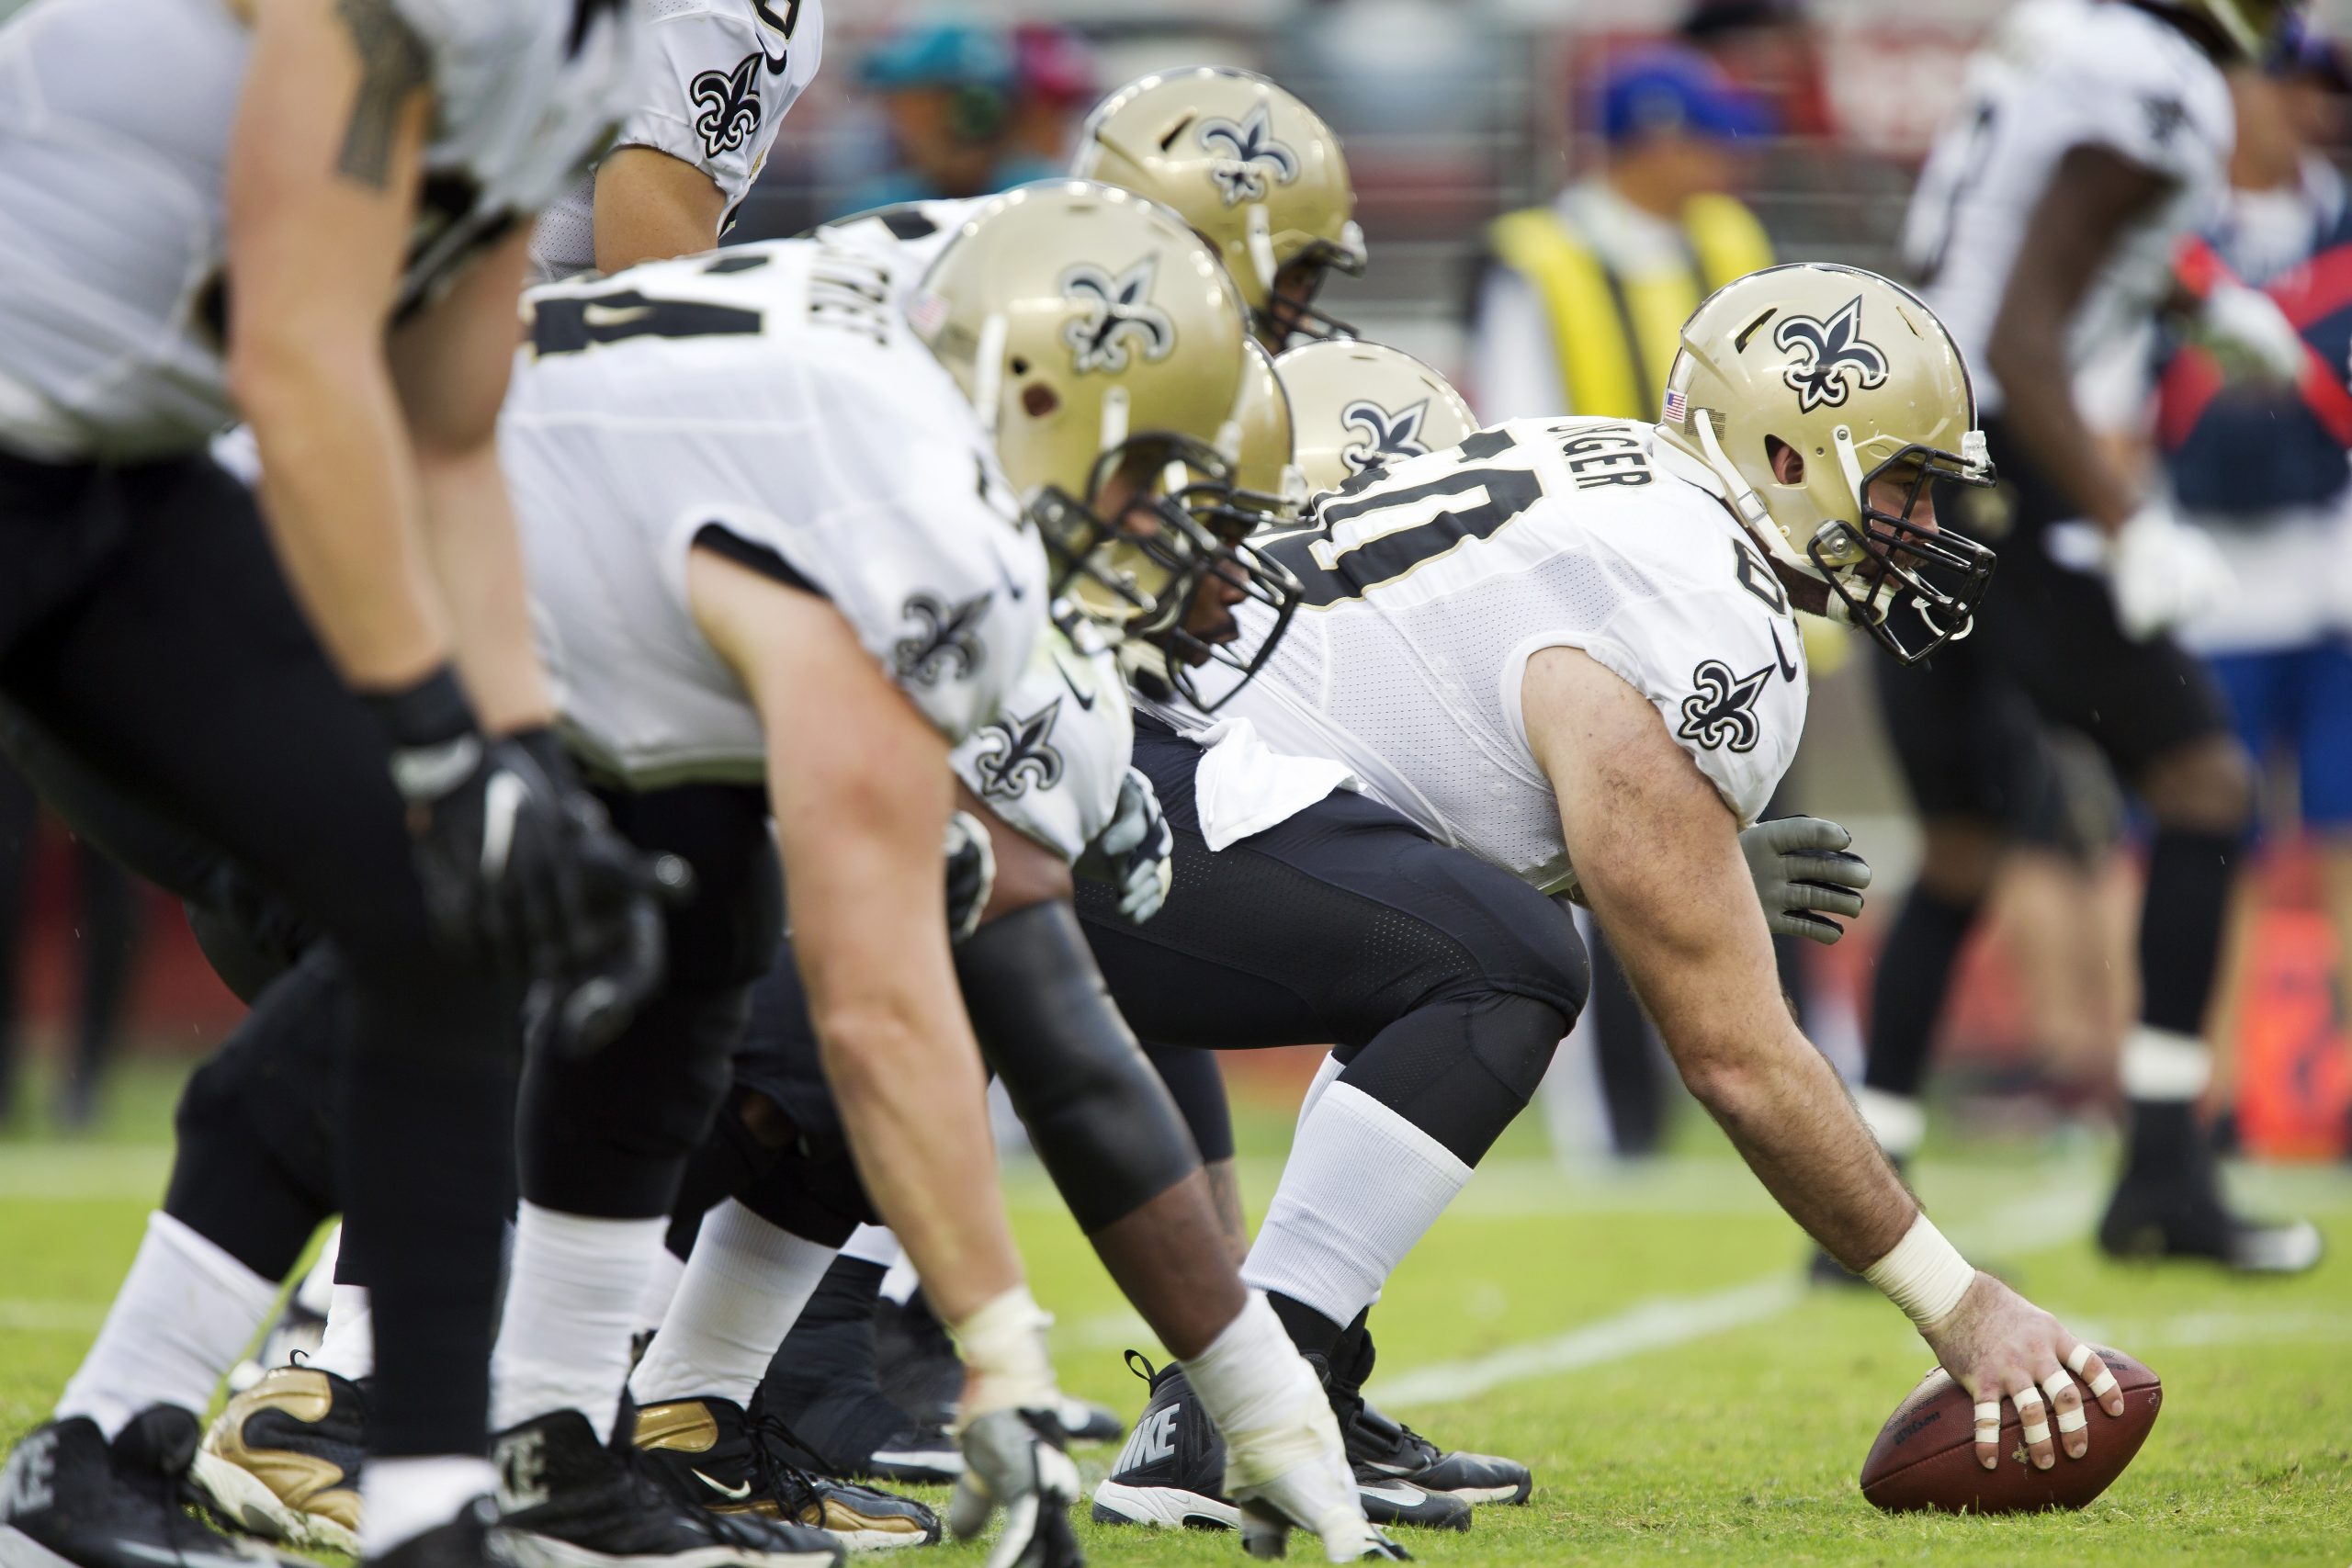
(732, 1494)
(1403, 1496)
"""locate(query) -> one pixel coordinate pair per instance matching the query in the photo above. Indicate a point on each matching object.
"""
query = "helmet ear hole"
(1786, 462)
(1019, 365)
(1038, 400)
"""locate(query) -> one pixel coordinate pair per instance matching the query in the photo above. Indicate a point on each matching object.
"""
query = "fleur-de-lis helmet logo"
(1380, 434)
(1833, 358)
(729, 101)
(945, 638)
(1015, 756)
(1118, 314)
(1246, 154)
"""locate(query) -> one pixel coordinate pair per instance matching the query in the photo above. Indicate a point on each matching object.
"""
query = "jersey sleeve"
(2117, 90)
(703, 94)
(1727, 678)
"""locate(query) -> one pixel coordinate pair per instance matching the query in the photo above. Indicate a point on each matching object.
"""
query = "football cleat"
(568, 1501)
(2188, 1220)
(709, 1452)
(282, 1462)
(1381, 1446)
(823, 1386)
(1172, 1471)
(69, 1497)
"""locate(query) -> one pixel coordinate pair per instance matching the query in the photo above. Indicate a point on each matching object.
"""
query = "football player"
(361, 169)
(2094, 137)
(1560, 656)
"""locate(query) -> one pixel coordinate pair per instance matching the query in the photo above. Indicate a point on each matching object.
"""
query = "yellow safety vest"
(1614, 337)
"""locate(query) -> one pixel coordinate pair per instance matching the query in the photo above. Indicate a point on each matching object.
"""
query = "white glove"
(2163, 572)
(1137, 850)
(2246, 331)
(1014, 1459)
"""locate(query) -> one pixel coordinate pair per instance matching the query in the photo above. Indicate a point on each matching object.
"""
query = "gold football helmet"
(1858, 376)
(1252, 169)
(1101, 341)
(1358, 406)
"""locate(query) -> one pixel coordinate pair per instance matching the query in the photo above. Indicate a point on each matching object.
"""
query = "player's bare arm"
(450, 366)
(650, 205)
(322, 176)
(2094, 196)
(1658, 854)
(859, 819)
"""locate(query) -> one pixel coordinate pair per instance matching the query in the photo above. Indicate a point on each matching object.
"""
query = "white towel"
(1245, 786)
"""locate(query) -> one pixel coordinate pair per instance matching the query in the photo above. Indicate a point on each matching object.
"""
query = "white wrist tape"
(1004, 1348)
(1925, 1275)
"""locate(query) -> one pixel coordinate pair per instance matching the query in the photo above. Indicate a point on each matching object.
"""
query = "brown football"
(1926, 1454)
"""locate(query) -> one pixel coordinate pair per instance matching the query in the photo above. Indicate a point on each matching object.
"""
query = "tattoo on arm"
(392, 64)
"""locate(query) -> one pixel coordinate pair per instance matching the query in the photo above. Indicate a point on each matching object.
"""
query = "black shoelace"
(793, 1488)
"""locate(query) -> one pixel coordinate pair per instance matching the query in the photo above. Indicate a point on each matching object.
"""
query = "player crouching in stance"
(1561, 654)
(775, 524)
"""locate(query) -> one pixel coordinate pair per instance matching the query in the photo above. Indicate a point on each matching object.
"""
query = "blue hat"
(941, 54)
(1676, 89)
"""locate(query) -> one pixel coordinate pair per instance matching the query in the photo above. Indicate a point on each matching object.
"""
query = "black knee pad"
(227, 1184)
(1197, 1085)
(816, 1195)
(1098, 1115)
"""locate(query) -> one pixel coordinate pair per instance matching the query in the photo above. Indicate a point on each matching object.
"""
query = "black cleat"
(282, 1462)
(567, 1501)
(473, 1540)
(1172, 1471)
(2147, 1220)
(709, 1453)
(68, 1499)
(1382, 1448)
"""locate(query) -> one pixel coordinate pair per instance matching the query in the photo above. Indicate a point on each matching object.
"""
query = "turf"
(1639, 1338)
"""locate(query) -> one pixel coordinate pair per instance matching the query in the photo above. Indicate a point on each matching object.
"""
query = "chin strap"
(987, 373)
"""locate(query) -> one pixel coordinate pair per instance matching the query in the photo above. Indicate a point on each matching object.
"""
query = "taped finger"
(1988, 1433)
(2067, 1400)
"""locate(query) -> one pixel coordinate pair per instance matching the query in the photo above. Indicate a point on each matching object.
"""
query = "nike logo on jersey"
(765, 10)
(735, 1493)
(1788, 670)
(1085, 699)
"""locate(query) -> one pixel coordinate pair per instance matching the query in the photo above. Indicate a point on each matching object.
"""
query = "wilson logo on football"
(1382, 434)
(1249, 154)
(1119, 314)
(1832, 357)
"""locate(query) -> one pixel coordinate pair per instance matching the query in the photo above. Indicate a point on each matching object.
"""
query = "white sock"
(1327, 1073)
(403, 1497)
(2158, 1064)
(348, 1348)
(317, 1288)
(570, 1294)
(1362, 1186)
(1894, 1120)
(661, 1288)
(744, 1287)
(185, 1311)
(874, 1244)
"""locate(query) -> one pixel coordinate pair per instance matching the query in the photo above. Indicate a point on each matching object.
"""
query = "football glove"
(2244, 330)
(1136, 852)
(2163, 572)
(1803, 874)
(1014, 1459)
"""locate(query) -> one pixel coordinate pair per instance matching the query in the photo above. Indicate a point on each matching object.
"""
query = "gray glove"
(1013, 1460)
(1803, 874)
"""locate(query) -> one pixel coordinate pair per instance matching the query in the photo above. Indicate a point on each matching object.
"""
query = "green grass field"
(1641, 1340)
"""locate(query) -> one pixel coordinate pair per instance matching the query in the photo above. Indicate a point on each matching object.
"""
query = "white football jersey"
(114, 125)
(768, 402)
(715, 79)
(1050, 763)
(2061, 74)
(1430, 583)
(911, 232)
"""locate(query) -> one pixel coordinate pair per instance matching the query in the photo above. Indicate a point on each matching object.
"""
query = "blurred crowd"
(1520, 172)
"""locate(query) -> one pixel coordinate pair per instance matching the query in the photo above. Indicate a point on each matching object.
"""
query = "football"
(1926, 1454)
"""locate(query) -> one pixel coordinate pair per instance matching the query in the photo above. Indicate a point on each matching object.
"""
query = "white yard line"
(50, 1317)
(2043, 1220)
(85, 1172)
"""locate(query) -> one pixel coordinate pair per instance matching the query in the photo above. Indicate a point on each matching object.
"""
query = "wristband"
(1004, 1346)
(1925, 1275)
(434, 743)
